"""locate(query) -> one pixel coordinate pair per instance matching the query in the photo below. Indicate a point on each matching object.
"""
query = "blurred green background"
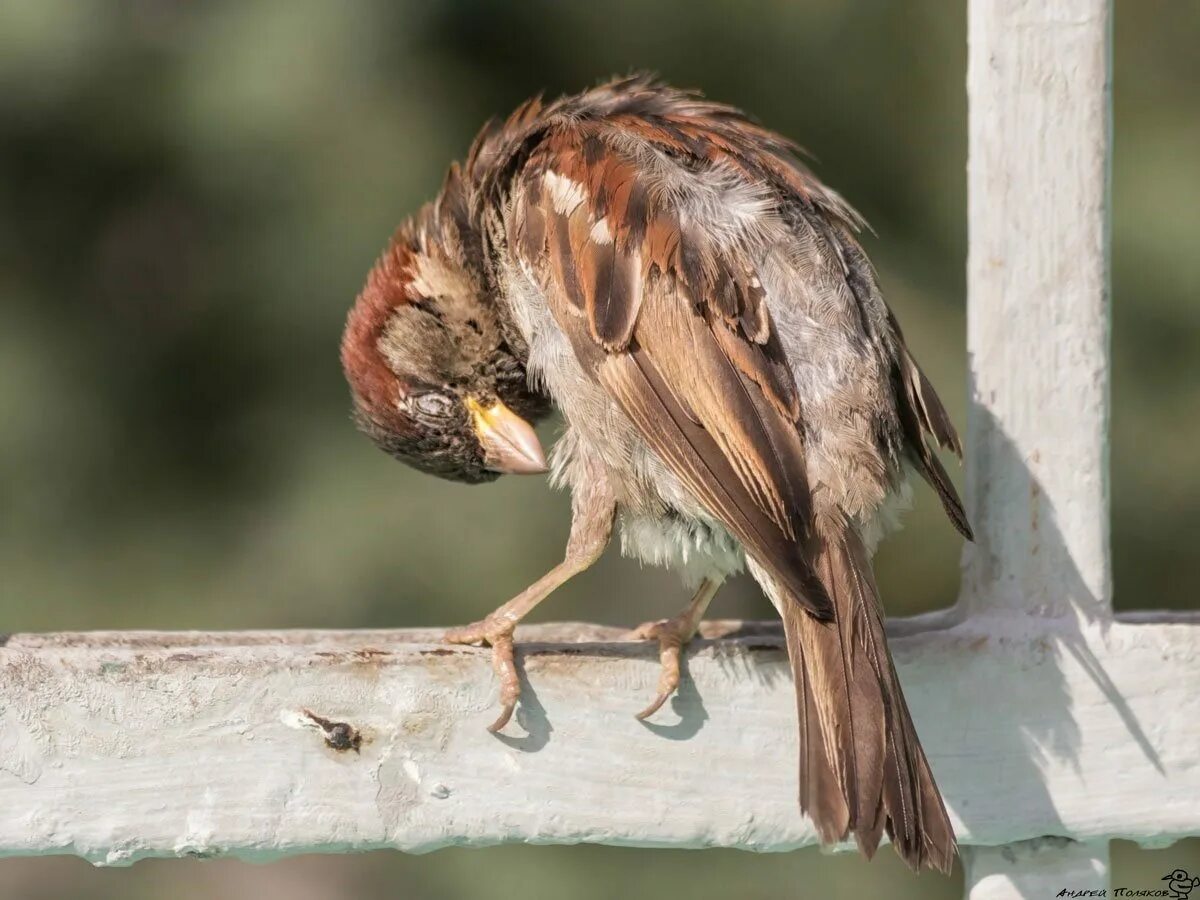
(191, 195)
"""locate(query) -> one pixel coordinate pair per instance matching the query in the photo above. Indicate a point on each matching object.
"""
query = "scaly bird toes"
(672, 635)
(479, 633)
(500, 638)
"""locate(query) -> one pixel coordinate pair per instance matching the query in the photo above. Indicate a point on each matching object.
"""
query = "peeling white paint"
(1092, 732)
(412, 770)
(295, 718)
(20, 754)
(1039, 83)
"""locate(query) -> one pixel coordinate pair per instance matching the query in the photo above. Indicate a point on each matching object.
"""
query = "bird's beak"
(509, 442)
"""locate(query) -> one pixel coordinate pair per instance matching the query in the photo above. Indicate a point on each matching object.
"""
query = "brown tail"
(862, 768)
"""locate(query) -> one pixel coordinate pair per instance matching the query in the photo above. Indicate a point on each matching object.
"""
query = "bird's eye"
(432, 404)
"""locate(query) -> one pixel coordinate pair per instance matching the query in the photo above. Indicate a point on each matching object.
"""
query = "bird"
(735, 393)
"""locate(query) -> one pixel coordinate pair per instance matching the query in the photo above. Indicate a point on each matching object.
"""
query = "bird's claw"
(499, 636)
(671, 635)
(655, 706)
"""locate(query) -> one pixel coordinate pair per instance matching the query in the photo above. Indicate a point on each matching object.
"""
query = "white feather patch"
(565, 193)
(600, 233)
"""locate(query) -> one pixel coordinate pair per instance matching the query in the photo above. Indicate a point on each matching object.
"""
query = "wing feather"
(920, 409)
(679, 335)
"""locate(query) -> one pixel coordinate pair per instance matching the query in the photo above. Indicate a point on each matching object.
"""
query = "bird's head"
(434, 380)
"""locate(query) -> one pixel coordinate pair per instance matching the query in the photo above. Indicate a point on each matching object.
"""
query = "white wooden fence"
(1052, 725)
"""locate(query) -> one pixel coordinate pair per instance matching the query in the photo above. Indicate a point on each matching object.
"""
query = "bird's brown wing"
(653, 292)
(678, 334)
(922, 415)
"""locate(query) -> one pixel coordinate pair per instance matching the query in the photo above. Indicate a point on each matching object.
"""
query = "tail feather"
(862, 769)
(821, 794)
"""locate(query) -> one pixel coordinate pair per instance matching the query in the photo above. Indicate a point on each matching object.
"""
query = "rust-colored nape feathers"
(374, 385)
(440, 229)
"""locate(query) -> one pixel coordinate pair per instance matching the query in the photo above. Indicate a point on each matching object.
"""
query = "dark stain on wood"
(340, 736)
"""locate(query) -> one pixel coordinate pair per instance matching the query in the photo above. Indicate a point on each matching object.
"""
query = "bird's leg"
(496, 629)
(673, 635)
(592, 511)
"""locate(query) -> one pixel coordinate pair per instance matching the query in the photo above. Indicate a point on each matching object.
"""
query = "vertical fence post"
(1038, 325)
(1034, 870)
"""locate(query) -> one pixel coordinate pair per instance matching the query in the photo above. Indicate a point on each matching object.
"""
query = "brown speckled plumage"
(696, 304)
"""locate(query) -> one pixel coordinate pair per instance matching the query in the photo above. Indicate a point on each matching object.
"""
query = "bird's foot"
(497, 633)
(672, 635)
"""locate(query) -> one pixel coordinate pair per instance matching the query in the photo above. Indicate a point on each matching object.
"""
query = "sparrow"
(735, 391)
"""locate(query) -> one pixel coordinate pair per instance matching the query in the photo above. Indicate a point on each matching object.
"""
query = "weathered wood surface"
(119, 746)
(1042, 867)
(1037, 316)
(1038, 81)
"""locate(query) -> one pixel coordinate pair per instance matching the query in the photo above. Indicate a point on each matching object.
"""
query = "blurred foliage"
(191, 196)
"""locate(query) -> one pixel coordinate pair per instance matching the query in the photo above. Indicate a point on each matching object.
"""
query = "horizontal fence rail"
(126, 745)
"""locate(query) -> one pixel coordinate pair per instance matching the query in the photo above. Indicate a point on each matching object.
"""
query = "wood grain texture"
(1039, 84)
(116, 747)
(1038, 317)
